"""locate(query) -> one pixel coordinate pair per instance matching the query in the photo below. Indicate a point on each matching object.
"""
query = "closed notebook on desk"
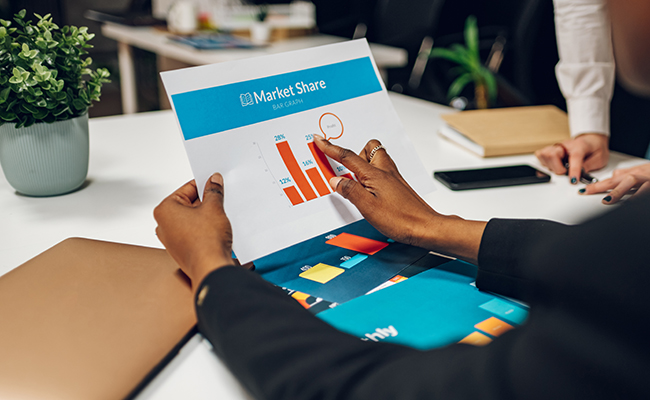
(507, 131)
(90, 320)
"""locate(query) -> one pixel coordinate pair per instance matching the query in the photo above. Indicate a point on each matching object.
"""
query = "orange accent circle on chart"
(320, 125)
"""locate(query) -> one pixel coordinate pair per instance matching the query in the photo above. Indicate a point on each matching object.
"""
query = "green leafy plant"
(262, 12)
(44, 76)
(470, 69)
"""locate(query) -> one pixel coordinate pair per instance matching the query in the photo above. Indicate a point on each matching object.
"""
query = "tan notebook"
(90, 320)
(507, 131)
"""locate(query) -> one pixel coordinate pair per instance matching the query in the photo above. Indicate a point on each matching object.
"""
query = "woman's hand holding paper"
(197, 234)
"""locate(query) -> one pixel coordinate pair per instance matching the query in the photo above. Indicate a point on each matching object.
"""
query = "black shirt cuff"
(505, 245)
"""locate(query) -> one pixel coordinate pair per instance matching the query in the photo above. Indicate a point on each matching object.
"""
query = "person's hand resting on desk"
(197, 234)
(589, 151)
(623, 181)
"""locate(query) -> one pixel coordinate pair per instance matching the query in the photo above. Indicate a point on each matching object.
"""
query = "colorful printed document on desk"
(253, 121)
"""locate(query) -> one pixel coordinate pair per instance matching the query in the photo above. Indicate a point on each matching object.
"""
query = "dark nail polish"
(581, 191)
(607, 199)
(574, 180)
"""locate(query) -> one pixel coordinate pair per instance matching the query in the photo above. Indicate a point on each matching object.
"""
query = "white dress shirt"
(585, 72)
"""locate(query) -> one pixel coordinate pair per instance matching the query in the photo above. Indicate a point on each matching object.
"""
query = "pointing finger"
(345, 156)
(575, 167)
(351, 190)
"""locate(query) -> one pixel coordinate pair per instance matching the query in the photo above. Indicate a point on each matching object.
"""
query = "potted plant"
(46, 89)
(260, 30)
(470, 68)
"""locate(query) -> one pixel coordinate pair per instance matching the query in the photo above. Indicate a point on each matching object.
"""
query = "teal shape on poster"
(506, 310)
(353, 261)
(433, 309)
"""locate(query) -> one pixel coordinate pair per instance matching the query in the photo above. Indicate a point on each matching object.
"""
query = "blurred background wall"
(521, 30)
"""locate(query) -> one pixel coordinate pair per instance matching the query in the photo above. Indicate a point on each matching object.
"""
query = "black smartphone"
(491, 177)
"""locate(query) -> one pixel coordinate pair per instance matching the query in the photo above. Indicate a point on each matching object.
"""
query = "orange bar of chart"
(293, 195)
(322, 188)
(295, 171)
(321, 160)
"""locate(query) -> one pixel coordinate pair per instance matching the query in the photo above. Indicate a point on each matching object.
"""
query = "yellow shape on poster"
(321, 273)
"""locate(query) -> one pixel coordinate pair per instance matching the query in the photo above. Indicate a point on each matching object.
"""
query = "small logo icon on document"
(246, 99)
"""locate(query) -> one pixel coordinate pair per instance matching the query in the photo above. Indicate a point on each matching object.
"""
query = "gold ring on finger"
(373, 151)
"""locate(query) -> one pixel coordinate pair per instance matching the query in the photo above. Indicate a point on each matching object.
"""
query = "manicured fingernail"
(574, 180)
(217, 179)
(319, 137)
(607, 199)
(334, 182)
(582, 191)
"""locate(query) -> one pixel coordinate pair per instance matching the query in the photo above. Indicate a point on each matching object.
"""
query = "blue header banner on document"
(221, 108)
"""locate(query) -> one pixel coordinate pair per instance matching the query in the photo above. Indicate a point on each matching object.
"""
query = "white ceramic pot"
(181, 18)
(45, 159)
(260, 33)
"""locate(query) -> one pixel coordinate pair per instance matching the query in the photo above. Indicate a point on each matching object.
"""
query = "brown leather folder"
(90, 320)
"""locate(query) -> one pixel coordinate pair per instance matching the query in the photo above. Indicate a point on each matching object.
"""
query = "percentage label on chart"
(279, 137)
(284, 181)
(307, 163)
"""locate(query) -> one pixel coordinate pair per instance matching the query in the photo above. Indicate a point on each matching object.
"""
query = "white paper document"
(252, 120)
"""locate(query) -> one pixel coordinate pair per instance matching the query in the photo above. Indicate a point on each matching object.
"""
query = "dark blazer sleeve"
(505, 247)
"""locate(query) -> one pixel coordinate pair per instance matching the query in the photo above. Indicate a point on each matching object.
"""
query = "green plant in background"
(470, 68)
(262, 12)
(44, 76)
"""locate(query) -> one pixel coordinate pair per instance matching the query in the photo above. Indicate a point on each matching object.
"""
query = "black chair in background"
(516, 37)
(341, 17)
(405, 24)
(519, 33)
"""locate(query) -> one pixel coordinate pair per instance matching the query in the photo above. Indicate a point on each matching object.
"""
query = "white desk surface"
(137, 160)
(157, 41)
